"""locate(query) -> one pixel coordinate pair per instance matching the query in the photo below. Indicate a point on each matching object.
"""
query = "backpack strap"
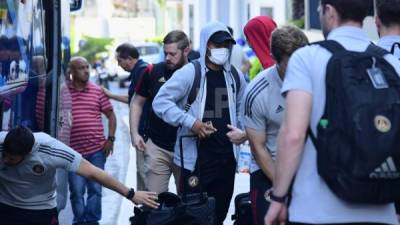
(144, 65)
(235, 75)
(195, 86)
(148, 70)
(330, 45)
(196, 83)
(312, 137)
(394, 46)
(377, 50)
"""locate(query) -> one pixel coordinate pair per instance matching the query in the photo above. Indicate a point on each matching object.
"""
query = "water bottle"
(244, 158)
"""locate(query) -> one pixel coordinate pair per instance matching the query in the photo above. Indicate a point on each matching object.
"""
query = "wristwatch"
(131, 194)
(111, 138)
(280, 199)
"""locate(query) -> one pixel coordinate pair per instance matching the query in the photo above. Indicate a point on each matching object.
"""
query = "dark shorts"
(16, 216)
(259, 184)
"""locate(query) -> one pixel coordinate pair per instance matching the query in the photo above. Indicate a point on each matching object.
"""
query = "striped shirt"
(87, 133)
(32, 183)
(40, 108)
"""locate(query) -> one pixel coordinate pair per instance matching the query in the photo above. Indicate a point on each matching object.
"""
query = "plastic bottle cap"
(324, 123)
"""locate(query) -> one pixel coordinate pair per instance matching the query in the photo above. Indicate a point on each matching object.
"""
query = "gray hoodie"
(172, 97)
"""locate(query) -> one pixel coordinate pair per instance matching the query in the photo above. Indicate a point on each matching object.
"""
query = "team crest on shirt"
(193, 181)
(38, 169)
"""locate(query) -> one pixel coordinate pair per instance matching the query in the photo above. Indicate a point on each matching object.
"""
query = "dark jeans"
(89, 213)
(16, 216)
(259, 184)
(217, 178)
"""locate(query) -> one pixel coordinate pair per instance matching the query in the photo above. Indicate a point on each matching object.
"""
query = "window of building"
(267, 11)
(248, 11)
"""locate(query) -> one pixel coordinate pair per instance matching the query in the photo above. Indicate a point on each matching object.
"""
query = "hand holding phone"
(203, 130)
(210, 128)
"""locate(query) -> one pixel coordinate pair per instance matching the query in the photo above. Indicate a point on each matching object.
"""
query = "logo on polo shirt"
(279, 109)
(162, 80)
(38, 169)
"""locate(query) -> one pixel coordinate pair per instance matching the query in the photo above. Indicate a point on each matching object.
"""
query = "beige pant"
(140, 171)
(159, 166)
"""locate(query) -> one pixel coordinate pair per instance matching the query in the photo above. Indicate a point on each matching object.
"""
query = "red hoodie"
(258, 33)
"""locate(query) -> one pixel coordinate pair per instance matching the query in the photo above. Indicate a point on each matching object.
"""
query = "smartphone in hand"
(210, 128)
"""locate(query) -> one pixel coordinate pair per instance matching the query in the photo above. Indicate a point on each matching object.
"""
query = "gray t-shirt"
(32, 184)
(312, 200)
(264, 108)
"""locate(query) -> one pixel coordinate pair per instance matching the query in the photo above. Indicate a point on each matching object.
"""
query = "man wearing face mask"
(212, 117)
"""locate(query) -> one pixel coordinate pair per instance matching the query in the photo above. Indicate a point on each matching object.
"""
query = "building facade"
(234, 13)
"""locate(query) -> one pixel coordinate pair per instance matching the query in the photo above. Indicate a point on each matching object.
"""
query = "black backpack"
(358, 135)
(196, 83)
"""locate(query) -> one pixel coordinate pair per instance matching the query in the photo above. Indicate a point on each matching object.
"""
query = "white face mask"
(219, 55)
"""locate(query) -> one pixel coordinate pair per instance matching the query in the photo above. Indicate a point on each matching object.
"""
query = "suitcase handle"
(184, 193)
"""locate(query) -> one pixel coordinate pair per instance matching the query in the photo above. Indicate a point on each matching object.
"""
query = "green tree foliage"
(94, 48)
(298, 23)
(162, 3)
(156, 39)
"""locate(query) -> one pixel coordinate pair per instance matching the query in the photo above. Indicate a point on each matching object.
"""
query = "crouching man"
(28, 163)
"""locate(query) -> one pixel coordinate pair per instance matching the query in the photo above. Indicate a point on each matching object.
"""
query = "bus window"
(64, 118)
(23, 64)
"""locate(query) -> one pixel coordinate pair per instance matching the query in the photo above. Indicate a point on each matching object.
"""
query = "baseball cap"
(221, 36)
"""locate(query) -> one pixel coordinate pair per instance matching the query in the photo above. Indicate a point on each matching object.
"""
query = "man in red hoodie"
(258, 34)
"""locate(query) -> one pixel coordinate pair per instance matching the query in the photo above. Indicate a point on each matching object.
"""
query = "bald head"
(76, 60)
(79, 69)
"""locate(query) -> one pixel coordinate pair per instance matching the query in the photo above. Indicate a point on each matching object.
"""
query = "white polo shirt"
(387, 42)
(264, 108)
(32, 183)
(312, 200)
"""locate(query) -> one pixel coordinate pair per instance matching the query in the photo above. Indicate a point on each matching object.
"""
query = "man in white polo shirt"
(313, 202)
(388, 23)
(264, 108)
(28, 163)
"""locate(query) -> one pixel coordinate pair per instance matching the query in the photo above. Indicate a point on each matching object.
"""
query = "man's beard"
(180, 64)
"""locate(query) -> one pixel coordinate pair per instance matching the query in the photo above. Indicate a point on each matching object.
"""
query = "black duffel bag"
(170, 212)
(243, 214)
(188, 209)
